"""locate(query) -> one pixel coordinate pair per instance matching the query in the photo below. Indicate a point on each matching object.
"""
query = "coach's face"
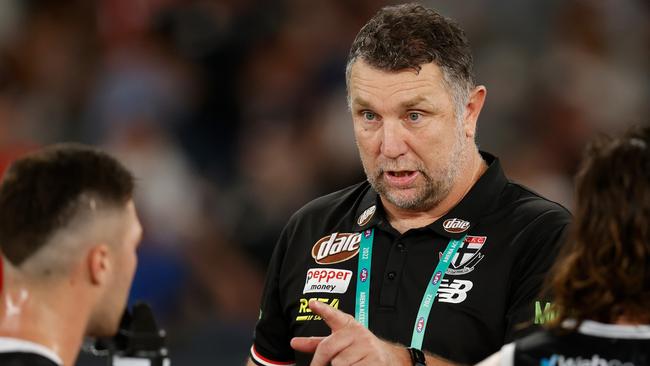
(412, 144)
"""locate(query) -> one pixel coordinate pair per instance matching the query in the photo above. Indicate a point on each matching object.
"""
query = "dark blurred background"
(232, 115)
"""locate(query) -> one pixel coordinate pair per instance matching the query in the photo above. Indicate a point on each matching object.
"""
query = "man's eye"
(414, 116)
(369, 116)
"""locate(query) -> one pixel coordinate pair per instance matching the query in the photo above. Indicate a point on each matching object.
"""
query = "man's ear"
(99, 265)
(473, 109)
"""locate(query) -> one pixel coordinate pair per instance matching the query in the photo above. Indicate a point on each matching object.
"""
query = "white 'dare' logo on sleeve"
(327, 280)
(365, 217)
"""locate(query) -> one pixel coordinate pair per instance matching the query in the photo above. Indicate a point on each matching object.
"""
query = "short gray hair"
(410, 35)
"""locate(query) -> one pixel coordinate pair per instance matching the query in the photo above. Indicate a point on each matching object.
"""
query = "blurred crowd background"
(232, 115)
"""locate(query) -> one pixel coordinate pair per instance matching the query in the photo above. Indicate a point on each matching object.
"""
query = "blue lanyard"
(432, 289)
(363, 285)
(363, 277)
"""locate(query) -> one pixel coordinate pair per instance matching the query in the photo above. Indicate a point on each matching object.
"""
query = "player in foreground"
(602, 277)
(68, 236)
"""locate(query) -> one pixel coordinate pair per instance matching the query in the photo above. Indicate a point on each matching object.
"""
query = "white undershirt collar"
(596, 329)
(8, 344)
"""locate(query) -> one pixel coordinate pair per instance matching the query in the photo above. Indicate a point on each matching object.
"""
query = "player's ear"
(473, 109)
(99, 264)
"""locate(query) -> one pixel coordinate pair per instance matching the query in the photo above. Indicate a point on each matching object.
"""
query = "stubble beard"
(434, 187)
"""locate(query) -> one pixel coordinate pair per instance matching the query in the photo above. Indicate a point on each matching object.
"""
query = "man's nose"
(393, 143)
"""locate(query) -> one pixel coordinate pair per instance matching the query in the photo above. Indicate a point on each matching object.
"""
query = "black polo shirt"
(489, 289)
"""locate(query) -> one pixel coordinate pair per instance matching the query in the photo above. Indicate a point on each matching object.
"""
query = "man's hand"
(349, 344)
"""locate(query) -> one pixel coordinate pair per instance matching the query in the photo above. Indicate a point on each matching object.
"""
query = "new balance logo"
(454, 292)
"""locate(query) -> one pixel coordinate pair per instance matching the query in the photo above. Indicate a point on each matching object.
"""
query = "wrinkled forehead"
(370, 86)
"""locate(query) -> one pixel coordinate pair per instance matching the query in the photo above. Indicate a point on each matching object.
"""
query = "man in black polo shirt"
(437, 251)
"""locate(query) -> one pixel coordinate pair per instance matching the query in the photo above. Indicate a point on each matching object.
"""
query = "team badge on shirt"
(467, 256)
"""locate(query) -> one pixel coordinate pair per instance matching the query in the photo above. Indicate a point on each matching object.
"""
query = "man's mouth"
(401, 173)
(400, 178)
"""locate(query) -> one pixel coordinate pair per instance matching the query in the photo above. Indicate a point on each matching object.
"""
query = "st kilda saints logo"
(336, 247)
(467, 256)
(455, 225)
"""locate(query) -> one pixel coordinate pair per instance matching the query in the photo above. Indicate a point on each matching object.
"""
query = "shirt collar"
(478, 201)
(8, 344)
(369, 211)
(597, 329)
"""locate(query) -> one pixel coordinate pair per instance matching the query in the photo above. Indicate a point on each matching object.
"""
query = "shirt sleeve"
(528, 307)
(272, 336)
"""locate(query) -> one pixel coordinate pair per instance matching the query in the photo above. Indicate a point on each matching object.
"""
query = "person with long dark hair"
(601, 280)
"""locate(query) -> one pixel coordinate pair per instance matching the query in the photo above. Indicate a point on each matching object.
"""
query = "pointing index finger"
(334, 318)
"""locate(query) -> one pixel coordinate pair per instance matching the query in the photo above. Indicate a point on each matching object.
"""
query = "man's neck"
(58, 326)
(403, 220)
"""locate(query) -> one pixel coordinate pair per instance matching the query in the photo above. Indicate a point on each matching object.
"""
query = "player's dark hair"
(407, 36)
(40, 194)
(603, 272)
